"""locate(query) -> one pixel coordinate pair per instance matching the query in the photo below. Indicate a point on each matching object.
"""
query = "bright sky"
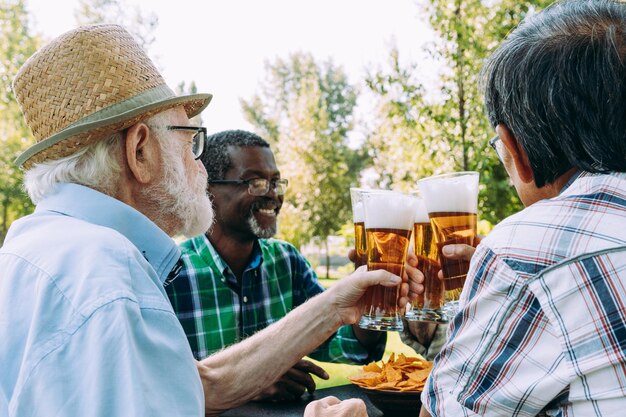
(223, 45)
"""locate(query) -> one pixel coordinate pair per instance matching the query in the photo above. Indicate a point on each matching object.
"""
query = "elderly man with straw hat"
(85, 323)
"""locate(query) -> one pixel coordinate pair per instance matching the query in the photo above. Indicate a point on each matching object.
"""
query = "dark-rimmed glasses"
(258, 186)
(492, 143)
(197, 144)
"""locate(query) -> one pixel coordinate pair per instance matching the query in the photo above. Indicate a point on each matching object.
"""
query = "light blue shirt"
(86, 328)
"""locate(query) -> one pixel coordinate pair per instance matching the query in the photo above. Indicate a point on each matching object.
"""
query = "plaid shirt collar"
(212, 257)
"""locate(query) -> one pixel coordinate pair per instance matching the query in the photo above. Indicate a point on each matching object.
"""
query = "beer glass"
(428, 306)
(452, 203)
(388, 223)
(358, 217)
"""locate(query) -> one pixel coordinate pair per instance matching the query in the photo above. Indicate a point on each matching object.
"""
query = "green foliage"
(16, 45)
(415, 137)
(305, 110)
(140, 23)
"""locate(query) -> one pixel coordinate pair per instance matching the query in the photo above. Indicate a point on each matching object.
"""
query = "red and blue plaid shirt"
(542, 325)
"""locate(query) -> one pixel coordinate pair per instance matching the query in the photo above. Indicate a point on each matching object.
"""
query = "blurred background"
(366, 93)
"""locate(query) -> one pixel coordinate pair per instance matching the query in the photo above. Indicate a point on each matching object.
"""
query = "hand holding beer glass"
(429, 305)
(452, 204)
(388, 223)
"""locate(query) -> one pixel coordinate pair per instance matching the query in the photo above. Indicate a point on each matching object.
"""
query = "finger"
(414, 289)
(353, 407)
(328, 401)
(412, 274)
(311, 368)
(316, 408)
(405, 299)
(301, 378)
(457, 251)
(352, 255)
(291, 389)
(415, 283)
(411, 259)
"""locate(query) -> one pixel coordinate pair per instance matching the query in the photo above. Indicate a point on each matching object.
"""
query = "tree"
(305, 110)
(141, 24)
(16, 45)
(449, 133)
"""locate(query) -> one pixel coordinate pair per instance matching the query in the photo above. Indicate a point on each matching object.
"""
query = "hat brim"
(108, 121)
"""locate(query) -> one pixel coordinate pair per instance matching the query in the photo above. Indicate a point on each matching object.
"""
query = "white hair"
(96, 166)
(176, 203)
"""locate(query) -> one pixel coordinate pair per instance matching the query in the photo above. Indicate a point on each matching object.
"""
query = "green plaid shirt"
(216, 312)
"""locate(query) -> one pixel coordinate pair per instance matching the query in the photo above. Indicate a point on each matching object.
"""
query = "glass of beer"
(358, 217)
(429, 305)
(452, 204)
(388, 223)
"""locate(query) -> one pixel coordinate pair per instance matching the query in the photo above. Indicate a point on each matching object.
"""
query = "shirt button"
(245, 299)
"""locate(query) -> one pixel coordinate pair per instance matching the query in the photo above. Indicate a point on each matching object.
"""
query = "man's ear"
(140, 152)
(517, 153)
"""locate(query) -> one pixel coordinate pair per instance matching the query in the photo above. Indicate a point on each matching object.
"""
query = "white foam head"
(421, 214)
(358, 216)
(389, 210)
(456, 192)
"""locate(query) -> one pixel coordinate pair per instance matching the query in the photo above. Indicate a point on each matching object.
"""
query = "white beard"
(187, 207)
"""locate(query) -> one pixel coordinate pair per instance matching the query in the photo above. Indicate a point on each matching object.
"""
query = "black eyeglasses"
(258, 186)
(197, 145)
(492, 143)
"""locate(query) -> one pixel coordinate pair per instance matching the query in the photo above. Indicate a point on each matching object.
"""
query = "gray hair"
(215, 157)
(558, 83)
(95, 166)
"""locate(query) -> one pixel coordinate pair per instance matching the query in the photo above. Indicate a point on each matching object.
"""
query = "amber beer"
(388, 251)
(360, 245)
(426, 250)
(452, 202)
(358, 216)
(388, 223)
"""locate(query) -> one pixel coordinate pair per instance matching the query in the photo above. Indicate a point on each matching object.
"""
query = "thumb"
(379, 277)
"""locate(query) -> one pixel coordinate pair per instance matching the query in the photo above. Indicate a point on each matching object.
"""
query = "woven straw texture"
(82, 72)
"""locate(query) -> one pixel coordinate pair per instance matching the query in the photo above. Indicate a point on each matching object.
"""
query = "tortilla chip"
(406, 373)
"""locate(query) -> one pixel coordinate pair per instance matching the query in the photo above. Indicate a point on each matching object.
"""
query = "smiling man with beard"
(237, 279)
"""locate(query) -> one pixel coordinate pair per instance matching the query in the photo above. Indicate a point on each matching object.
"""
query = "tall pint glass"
(388, 223)
(358, 217)
(452, 204)
(429, 305)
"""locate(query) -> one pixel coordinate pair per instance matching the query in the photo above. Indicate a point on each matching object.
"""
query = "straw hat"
(87, 84)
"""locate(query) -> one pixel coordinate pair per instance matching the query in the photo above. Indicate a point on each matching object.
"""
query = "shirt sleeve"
(343, 346)
(112, 366)
(502, 356)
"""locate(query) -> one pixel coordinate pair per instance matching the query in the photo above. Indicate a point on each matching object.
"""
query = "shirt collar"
(255, 261)
(571, 180)
(94, 207)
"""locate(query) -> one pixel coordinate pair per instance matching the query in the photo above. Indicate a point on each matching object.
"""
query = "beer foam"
(389, 210)
(421, 213)
(356, 196)
(358, 213)
(450, 193)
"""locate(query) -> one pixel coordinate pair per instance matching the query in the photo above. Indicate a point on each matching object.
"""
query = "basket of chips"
(395, 386)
